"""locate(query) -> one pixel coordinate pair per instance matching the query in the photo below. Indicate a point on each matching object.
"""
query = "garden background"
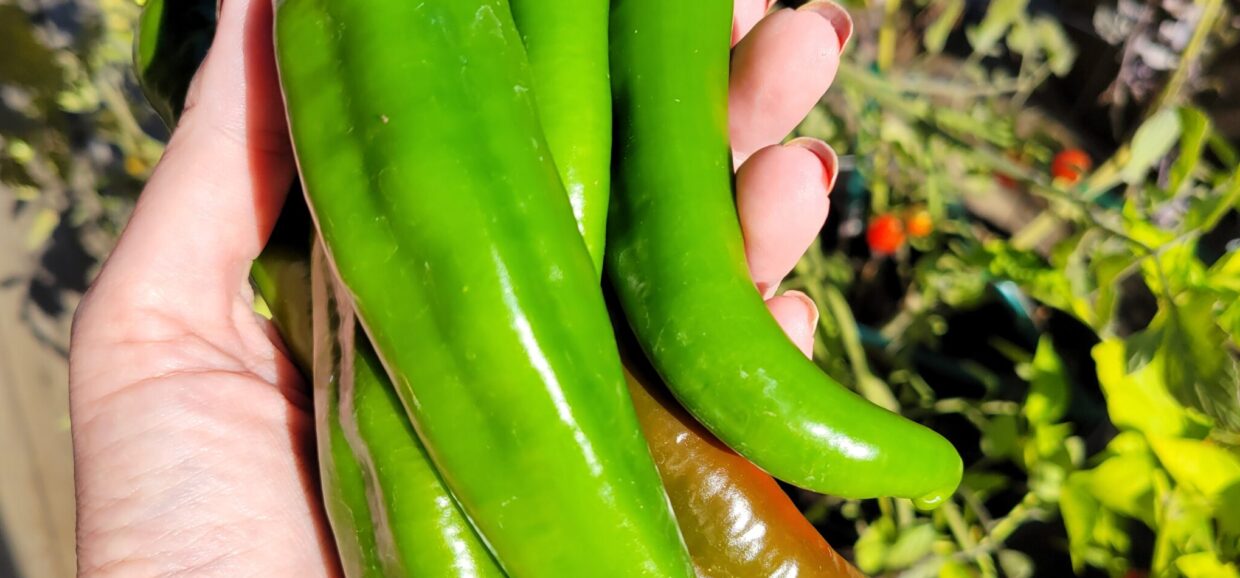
(1034, 247)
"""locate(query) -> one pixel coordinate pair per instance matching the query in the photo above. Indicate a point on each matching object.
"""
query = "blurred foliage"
(75, 145)
(1077, 338)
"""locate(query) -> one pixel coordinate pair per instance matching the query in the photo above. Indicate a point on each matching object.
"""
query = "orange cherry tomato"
(885, 234)
(1070, 165)
(919, 224)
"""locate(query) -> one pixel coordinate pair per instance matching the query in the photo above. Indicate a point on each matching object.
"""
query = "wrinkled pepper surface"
(407, 523)
(676, 259)
(441, 209)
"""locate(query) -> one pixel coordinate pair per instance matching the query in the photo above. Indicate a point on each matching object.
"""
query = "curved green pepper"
(438, 539)
(567, 46)
(677, 261)
(437, 199)
(407, 523)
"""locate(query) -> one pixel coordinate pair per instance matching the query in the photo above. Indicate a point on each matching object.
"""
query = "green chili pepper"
(440, 206)
(414, 527)
(567, 46)
(677, 261)
(437, 540)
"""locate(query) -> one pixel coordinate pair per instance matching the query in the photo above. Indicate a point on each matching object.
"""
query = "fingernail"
(811, 314)
(811, 308)
(824, 152)
(836, 15)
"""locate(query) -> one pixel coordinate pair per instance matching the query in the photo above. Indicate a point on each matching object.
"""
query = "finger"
(780, 71)
(210, 206)
(798, 316)
(746, 14)
(782, 196)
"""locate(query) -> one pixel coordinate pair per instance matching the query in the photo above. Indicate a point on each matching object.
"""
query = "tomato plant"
(1070, 165)
(885, 234)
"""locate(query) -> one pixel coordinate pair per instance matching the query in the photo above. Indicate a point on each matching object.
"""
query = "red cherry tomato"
(919, 224)
(1070, 165)
(885, 234)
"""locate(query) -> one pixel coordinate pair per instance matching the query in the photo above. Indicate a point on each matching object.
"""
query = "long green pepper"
(437, 540)
(566, 41)
(423, 158)
(676, 258)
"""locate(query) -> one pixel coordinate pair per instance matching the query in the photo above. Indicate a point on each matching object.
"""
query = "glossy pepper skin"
(566, 41)
(437, 199)
(406, 522)
(676, 259)
(735, 518)
(438, 538)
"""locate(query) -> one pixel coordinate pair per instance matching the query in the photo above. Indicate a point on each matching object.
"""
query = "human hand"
(193, 435)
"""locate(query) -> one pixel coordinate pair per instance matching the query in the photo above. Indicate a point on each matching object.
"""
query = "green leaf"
(1205, 565)
(1204, 212)
(999, 437)
(1001, 15)
(912, 545)
(1079, 510)
(1123, 483)
(871, 548)
(1048, 387)
(1185, 525)
(1225, 272)
(1195, 128)
(1151, 142)
(1198, 464)
(1201, 374)
(936, 34)
(1137, 400)
(1060, 54)
(1015, 564)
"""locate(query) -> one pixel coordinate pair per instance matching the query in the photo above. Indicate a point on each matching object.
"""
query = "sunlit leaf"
(1205, 565)
(1200, 373)
(1151, 142)
(1002, 13)
(1048, 387)
(935, 37)
(871, 548)
(1123, 483)
(1195, 128)
(1198, 464)
(1060, 53)
(913, 544)
(1015, 564)
(1137, 400)
(1079, 510)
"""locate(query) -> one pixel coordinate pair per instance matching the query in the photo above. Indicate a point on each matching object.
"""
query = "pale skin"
(193, 434)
